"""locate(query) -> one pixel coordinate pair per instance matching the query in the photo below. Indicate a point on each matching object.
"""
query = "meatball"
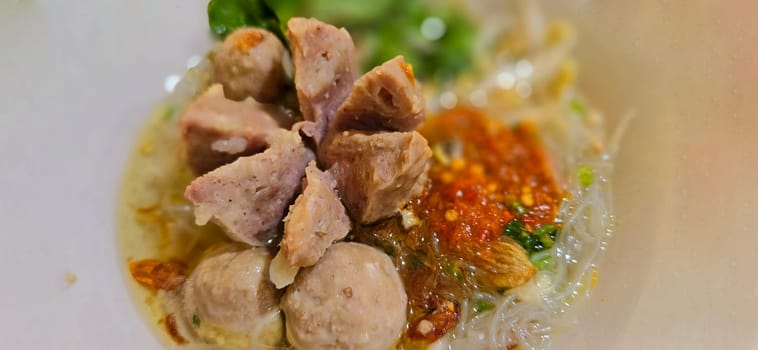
(217, 131)
(352, 298)
(249, 63)
(230, 293)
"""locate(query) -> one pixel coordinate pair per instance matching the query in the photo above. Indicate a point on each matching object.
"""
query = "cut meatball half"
(386, 98)
(250, 63)
(314, 222)
(230, 293)
(352, 298)
(322, 56)
(377, 173)
(249, 198)
(216, 130)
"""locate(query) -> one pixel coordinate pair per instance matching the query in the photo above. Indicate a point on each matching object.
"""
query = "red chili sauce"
(501, 171)
(484, 174)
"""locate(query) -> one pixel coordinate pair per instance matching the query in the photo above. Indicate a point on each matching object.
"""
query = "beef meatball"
(352, 298)
(249, 63)
(230, 293)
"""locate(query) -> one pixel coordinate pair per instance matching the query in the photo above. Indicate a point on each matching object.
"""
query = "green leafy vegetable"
(224, 16)
(539, 240)
(383, 29)
(482, 306)
(347, 11)
(586, 176)
(196, 320)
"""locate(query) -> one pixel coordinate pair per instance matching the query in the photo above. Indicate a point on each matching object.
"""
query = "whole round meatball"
(249, 64)
(231, 292)
(352, 298)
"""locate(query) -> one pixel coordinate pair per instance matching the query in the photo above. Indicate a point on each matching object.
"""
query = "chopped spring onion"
(578, 107)
(586, 176)
(544, 235)
(482, 306)
(414, 262)
(389, 250)
(515, 229)
(168, 112)
(519, 208)
(542, 260)
(539, 240)
(455, 270)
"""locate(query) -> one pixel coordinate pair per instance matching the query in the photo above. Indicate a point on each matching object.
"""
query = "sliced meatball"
(377, 173)
(314, 222)
(352, 298)
(249, 197)
(230, 293)
(249, 64)
(322, 56)
(216, 131)
(386, 98)
(316, 219)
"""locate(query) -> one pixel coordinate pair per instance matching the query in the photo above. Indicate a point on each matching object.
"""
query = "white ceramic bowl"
(78, 78)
